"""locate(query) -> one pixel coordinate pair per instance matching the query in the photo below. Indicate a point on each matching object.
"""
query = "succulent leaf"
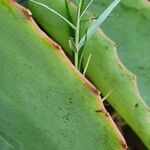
(45, 103)
(105, 69)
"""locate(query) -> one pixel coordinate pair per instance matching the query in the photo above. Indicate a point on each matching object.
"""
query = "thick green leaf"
(105, 69)
(133, 22)
(45, 104)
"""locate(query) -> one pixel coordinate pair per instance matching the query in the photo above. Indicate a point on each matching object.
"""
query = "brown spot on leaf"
(99, 110)
(56, 46)
(103, 111)
(95, 91)
(27, 13)
(106, 114)
(124, 145)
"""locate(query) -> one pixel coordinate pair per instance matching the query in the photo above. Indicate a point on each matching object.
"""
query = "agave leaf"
(45, 104)
(55, 12)
(131, 21)
(105, 69)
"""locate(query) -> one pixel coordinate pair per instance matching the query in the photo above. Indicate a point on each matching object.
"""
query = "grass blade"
(88, 5)
(82, 49)
(77, 34)
(104, 98)
(99, 21)
(87, 64)
(72, 45)
(55, 12)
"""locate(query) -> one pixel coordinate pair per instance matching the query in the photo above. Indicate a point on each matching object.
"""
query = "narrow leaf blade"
(99, 21)
(55, 12)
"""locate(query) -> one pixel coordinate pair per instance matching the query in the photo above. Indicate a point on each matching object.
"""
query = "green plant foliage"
(105, 70)
(45, 104)
(75, 43)
(131, 21)
(92, 29)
